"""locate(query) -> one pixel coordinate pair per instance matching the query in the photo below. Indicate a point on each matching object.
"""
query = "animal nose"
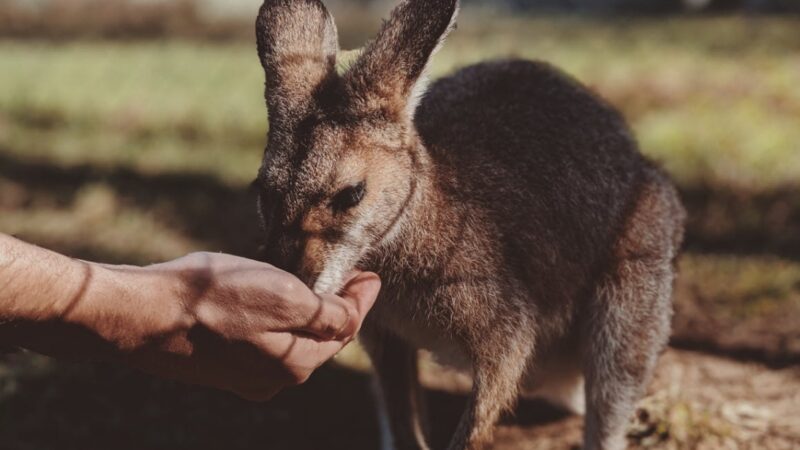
(296, 253)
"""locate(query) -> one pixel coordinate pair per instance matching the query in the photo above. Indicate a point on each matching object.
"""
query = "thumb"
(362, 290)
(356, 297)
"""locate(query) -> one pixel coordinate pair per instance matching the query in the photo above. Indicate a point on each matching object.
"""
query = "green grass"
(720, 108)
(744, 287)
(154, 107)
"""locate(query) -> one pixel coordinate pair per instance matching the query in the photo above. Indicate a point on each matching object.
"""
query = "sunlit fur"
(518, 231)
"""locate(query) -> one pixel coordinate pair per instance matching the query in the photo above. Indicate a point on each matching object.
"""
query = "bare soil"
(696, 401)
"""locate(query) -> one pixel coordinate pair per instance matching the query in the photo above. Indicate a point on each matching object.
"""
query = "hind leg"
(629, 324)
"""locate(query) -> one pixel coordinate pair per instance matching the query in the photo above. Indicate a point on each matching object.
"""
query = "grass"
(743, 287)
(154, 107)
(96, 219)
(720, 111)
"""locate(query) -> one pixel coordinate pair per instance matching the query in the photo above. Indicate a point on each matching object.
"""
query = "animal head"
(339, 166)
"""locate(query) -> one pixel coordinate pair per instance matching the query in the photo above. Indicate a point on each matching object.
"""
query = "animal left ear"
(390, 72)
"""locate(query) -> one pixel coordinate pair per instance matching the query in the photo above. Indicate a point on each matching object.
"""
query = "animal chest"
(420, 320)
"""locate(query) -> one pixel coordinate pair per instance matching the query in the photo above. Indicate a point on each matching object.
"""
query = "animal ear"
(390, 71)
(297, 45)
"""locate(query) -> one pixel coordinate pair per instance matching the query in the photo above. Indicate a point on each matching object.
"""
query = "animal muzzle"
(333, 268)
(321, 265)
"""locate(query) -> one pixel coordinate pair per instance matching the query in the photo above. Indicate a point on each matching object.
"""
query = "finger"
(306, 353)
(300, 354)
(330, 317)
(335, 318)
(297, 308)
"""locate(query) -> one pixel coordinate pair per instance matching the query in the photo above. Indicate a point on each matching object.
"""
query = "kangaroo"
(518, 231)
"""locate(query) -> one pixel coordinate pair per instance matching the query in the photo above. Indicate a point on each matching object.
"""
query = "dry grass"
(705, 403)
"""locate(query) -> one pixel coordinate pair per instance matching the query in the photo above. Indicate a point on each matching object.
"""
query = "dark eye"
(348, 197)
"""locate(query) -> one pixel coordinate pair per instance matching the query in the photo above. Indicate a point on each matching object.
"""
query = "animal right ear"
(297, 45)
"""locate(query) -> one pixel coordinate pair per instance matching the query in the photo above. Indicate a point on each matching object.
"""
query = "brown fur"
(517, 229)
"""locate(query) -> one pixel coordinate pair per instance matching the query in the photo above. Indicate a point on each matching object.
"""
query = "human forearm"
(36, 284)
(65, 307)
(36, 288)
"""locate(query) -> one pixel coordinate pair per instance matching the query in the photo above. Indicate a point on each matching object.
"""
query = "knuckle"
(341, 319)
(330, 331)
(351, 322)
(324, 329)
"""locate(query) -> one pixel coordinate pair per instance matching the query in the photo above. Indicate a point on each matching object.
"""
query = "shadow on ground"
(97, 406)
(739, 222)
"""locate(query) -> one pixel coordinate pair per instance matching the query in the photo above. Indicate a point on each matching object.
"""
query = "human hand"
(246, 326)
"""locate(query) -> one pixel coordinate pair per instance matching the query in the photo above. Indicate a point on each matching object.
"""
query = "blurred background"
(130, 130)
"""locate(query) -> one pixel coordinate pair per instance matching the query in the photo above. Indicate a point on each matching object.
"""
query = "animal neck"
(421, 229)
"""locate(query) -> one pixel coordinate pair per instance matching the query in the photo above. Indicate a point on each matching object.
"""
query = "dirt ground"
(696, 401)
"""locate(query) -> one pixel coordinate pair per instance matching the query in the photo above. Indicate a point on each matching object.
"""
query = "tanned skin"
(209, 319)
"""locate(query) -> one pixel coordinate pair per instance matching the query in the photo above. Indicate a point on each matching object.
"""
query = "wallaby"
(518, 231)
